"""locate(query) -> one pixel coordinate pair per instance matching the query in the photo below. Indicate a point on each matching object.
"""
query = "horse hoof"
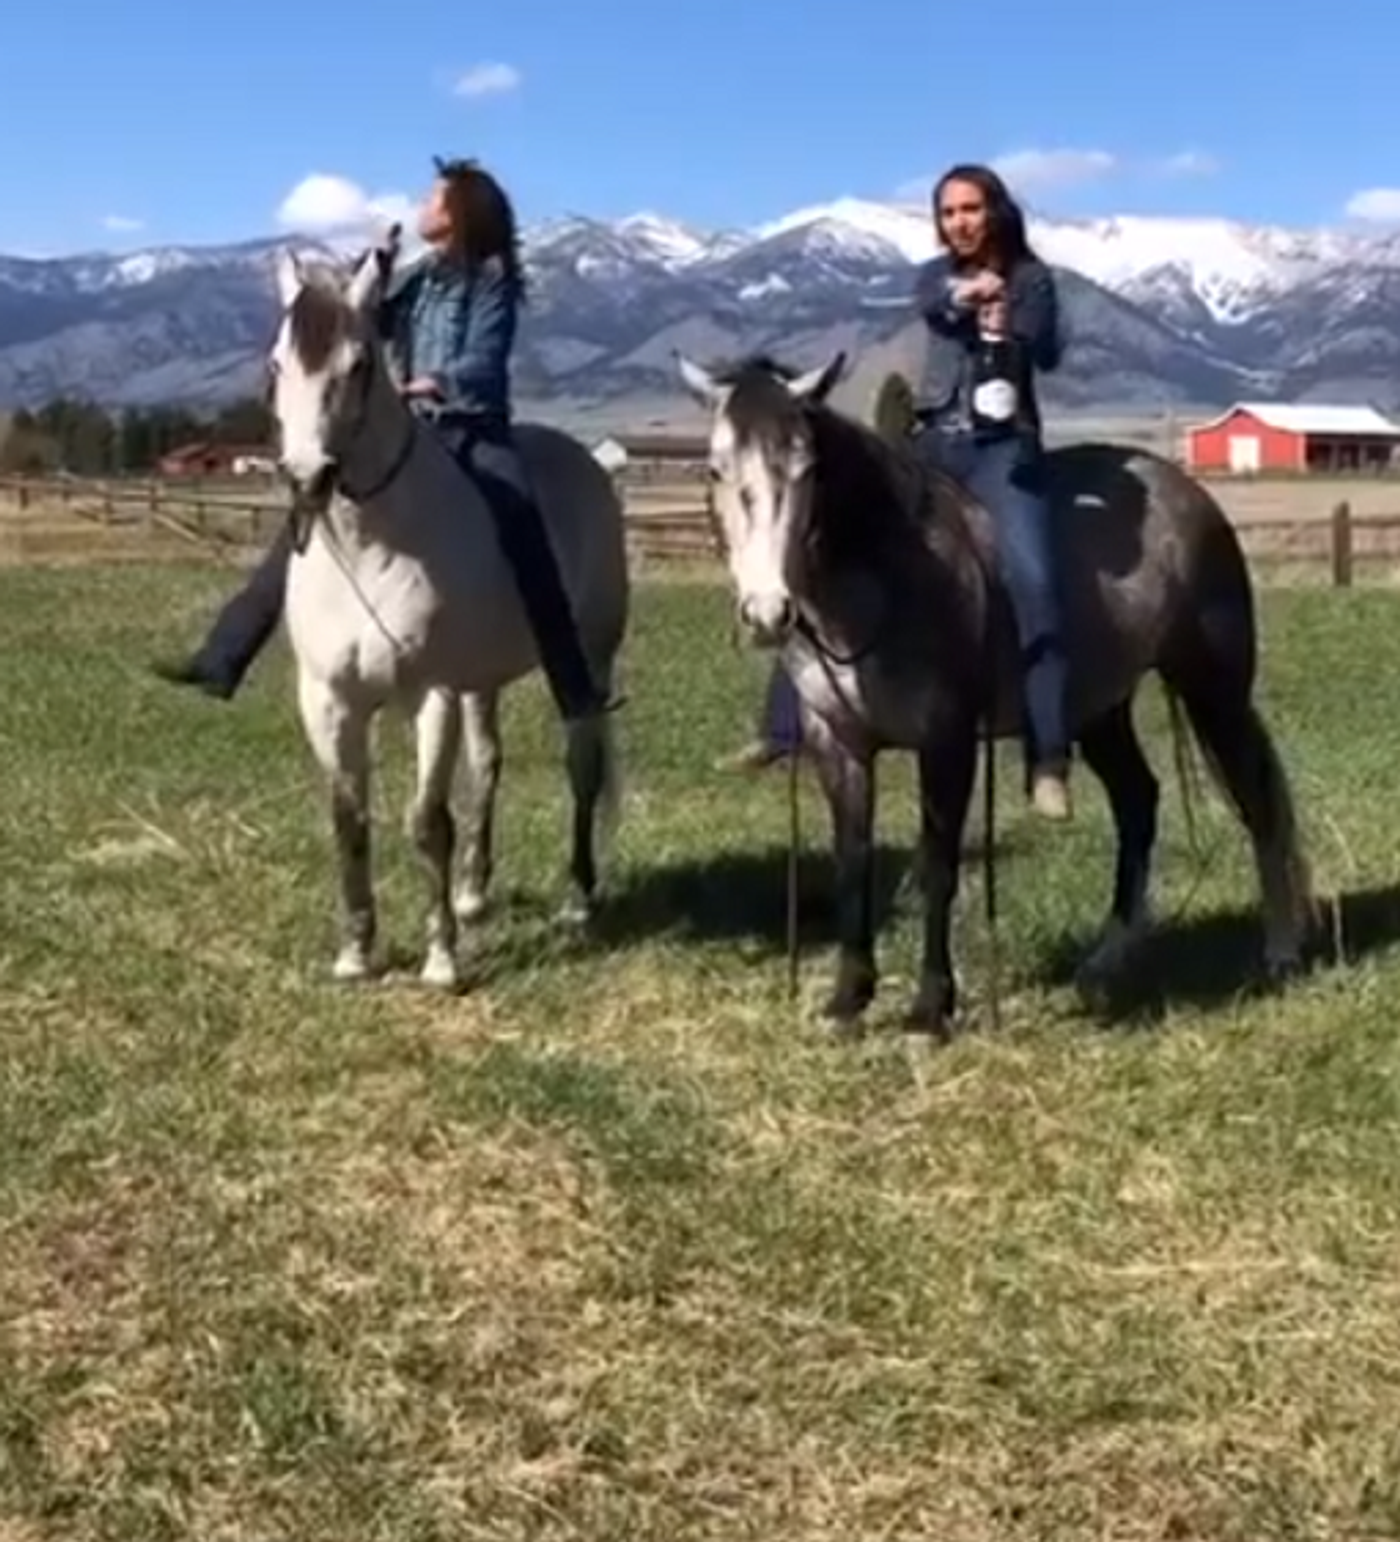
(926, 1026)
(842, 1011)
(470, 906)
(577, 910)
(1281, 969)
(439, 970)
(351, 965)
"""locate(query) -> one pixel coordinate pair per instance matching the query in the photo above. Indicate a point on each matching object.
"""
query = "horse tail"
(1187, 770)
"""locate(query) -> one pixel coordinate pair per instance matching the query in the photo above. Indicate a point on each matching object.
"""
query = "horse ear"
(816, 384)
(701, 384)
(374, 270)
(289, 279)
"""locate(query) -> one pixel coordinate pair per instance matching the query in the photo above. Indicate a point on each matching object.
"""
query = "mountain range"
(1161, 313)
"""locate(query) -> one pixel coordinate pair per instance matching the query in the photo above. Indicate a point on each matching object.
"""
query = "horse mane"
(319, 319)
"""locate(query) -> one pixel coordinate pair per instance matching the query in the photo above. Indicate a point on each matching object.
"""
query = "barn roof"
(1310, 418)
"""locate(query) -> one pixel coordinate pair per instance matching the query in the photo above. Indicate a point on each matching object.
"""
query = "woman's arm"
(1033, 313)
(933, 297)
(484, 335)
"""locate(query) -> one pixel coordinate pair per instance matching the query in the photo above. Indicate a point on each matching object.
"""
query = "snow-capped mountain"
(1158, 310)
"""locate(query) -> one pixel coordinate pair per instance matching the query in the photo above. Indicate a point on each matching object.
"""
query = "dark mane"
(319, 320)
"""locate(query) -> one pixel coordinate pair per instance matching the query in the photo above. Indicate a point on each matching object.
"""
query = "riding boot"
(492, 460)
(1046, 674)
(241, 629)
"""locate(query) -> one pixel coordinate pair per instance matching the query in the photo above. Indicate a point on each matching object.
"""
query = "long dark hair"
(1006, 223)
(483, 218)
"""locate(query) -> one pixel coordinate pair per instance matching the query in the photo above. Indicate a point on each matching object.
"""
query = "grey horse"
(876, 577)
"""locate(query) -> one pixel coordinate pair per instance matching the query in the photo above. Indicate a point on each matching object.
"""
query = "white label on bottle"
(995, 400)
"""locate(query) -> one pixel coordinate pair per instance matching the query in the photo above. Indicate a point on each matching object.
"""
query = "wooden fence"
(665, 521)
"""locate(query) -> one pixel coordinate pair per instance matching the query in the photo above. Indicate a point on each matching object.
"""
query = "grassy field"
(615, 1245)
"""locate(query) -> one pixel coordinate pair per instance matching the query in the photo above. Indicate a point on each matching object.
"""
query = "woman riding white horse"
(450, 321)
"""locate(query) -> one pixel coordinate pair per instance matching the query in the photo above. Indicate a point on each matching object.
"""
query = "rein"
(302, 526)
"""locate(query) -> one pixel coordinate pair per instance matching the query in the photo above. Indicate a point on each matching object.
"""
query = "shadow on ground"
(1206, 962)
(742, 896)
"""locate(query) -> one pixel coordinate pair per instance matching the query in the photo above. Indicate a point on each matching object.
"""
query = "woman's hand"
(981, 289)
(424, 385)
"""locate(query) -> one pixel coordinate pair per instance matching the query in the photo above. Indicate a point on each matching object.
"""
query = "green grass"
(616, 1245)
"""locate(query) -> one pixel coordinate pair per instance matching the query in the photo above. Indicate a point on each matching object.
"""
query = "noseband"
(307, 509)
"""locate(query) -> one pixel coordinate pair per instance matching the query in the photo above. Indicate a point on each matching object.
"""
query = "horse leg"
(481, 742)
(1113, 752)
(337, 729)
(1241, 753)
(437, 728)
(848, 782)
(947, 772)
(591, 759)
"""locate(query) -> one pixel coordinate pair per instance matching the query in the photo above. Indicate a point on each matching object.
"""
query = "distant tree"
(894, 408)
(248, 421)
(27, 451)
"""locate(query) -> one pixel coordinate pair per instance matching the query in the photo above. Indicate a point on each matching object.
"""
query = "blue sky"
(195, 123)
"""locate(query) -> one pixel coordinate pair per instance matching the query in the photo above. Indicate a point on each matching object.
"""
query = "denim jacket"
(457, 326)
(1034, 320)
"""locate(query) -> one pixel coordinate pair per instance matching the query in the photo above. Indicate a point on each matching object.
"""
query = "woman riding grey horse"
(450, 322)
(992, 315)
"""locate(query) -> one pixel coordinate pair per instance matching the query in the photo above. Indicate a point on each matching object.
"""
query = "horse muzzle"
(767, 618)
(311, 497)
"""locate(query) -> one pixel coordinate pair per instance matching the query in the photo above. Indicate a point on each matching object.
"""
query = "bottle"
(995, 396)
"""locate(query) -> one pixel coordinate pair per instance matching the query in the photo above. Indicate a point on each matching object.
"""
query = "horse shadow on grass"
(741, 897)
(1211, 961)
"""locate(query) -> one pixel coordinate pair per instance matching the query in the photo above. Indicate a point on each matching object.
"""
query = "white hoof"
(439, 969)
(576, 911)
(470, 905)
(351, 964)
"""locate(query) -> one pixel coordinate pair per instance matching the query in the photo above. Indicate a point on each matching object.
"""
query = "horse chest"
(830, 688)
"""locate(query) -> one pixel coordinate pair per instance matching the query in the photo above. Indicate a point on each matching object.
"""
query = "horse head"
(762, 469)
(324, 364)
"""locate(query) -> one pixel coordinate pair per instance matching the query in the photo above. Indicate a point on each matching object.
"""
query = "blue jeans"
(1006, 476)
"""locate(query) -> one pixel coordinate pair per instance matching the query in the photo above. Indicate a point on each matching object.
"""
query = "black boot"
(241, 629)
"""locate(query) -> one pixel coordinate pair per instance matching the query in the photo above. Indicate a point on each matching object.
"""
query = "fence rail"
(153, 519)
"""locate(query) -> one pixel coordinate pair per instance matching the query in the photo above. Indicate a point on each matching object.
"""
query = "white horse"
(400, 595)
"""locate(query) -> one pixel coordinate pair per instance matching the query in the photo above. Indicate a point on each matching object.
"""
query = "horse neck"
(887, 527)
(386, 514)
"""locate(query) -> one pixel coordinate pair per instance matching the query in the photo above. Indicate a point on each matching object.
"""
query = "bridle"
(309, 504)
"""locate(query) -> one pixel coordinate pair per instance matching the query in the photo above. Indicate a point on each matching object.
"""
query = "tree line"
(84, 439)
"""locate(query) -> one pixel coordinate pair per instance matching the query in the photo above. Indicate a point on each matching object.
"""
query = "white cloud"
(1042, 170)
(121, 224)
(327, 205)
(1381, 205)
(488, 79)
(1189, 163)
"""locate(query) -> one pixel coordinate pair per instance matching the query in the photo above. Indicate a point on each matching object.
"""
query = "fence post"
(1341, 546)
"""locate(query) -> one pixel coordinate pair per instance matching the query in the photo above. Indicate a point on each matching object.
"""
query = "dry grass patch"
(616, 1246)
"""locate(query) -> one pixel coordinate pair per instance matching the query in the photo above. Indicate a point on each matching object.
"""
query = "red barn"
(1263, 436)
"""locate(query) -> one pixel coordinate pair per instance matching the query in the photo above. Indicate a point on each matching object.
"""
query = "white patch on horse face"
(758, 501)
(306, 405)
